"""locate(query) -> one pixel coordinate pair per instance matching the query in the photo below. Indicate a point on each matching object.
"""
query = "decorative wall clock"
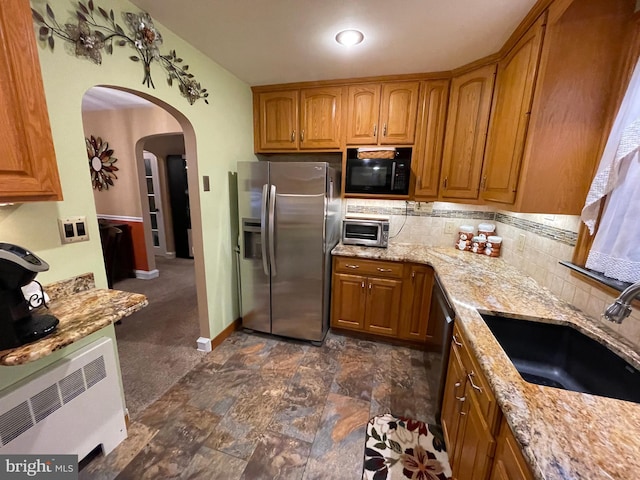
(101, 163)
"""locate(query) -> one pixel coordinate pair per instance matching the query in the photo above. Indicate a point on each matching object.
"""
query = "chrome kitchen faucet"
(621, 307)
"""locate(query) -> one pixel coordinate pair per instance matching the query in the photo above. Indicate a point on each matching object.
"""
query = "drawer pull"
(456, 342)
(348, 265)
(385, 269)
(470, 377)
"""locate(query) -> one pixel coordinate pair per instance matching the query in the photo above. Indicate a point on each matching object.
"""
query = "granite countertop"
(563, 434)
(81, 310)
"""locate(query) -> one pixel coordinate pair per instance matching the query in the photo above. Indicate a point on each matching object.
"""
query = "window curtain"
(615, 250)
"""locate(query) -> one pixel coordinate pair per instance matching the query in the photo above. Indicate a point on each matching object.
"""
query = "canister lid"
(466, 228)
(487, 227)
(494, 239)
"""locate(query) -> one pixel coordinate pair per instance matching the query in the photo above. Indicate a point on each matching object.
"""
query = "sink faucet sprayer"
(621, 307)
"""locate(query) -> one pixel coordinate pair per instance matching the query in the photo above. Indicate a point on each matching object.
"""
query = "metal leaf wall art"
(95, 31)
(101, 163)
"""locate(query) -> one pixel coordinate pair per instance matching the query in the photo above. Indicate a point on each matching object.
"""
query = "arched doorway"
(167, 330)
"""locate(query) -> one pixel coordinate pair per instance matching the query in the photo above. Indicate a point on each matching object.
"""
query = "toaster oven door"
(362, 233)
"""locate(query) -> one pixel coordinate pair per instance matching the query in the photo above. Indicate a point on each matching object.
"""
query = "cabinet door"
(362, 114)
(453, 397)
(427, 155)
(278, 116)
(398, 110)
(28, 168)
(320, 117)
(416, 303)
(472, 458)
(383, 306)
(509, 463)
(466, 133)
(510, 116)
(348, 301)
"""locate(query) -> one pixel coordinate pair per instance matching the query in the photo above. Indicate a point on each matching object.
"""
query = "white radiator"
(69, 407)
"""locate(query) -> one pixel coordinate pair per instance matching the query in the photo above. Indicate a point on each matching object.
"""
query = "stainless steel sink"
(562, 357)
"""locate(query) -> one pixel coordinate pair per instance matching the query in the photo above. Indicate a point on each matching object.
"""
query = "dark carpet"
(157, 345)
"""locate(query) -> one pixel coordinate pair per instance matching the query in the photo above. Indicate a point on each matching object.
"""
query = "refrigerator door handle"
(263, 228)
(272, 221)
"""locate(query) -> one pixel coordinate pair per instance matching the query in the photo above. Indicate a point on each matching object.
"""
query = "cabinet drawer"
(361, 266)
(476, 381)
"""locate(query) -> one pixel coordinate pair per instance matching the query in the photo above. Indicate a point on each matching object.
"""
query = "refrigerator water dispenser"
(252, 238)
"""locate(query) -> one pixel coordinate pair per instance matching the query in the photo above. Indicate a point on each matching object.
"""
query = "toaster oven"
(367, 232)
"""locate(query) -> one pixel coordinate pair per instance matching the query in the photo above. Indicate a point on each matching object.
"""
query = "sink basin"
(562, 357)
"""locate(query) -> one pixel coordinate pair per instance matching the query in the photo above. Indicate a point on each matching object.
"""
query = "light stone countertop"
(81, 310)
(563, 434)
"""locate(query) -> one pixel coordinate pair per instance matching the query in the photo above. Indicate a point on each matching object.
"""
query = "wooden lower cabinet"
(383, 298)
(416, 301)
(509, 464)
(471, 422)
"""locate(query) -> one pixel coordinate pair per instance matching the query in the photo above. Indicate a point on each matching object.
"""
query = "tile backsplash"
(548, 239)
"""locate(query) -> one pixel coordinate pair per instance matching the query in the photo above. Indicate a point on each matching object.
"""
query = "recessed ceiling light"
(349, 37)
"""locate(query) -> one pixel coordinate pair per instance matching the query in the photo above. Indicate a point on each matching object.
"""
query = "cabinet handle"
(446, 180)
(470, 377)
(369, 288)
(293, 136)
(348, 265)
(363, 284)
(384, 129)
(375, 130)
(413, 275)
(461, 399)
(419, 183)
(384, 269)
(302, 135)
(455, 340)
(484, 183)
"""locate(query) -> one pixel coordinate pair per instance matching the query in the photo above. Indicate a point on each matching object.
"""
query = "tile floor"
(260, 407)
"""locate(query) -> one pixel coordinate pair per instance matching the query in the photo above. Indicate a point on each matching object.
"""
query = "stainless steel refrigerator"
(289, 215)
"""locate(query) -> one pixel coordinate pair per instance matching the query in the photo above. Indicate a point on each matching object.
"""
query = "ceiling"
(101, 98)
(280, 41)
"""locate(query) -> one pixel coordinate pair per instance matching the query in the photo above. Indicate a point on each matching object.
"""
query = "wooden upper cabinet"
(382, 114)
(28, 168)
(320, 118)
(510, 116)
(427, 154)
(398, 109)
(466, 133)
(574, 101)
(278, 120)
(363, 111)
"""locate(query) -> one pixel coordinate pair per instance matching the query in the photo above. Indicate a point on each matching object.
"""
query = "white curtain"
(615, 251)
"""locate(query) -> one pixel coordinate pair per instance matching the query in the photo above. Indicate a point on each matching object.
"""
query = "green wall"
(223, 131)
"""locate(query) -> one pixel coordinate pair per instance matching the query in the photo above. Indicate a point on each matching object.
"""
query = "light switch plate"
(521, 242)
(73, 229)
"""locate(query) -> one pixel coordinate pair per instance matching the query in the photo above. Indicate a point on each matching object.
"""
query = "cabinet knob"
(293, 136)
(375, 130)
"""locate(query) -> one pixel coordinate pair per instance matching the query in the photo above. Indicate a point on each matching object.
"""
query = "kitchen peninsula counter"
(563, 434)
(81, 310)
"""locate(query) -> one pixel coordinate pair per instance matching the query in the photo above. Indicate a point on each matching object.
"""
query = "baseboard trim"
(147, 275)
(170, 255)
(232, 327)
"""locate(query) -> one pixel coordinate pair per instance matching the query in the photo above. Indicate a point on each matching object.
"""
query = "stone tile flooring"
(260, 407)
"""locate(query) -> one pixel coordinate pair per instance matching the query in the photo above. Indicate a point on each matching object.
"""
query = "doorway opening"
(146, 136)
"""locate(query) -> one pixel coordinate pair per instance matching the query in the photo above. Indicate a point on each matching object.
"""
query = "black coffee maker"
(18, 267)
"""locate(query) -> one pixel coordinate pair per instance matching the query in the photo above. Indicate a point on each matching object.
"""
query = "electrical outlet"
(449, 227)
(521, 242)
(73, 229)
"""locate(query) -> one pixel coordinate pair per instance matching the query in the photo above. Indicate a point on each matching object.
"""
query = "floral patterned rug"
(397, 448)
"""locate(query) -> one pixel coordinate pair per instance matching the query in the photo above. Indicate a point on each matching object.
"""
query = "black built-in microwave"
(378, 176)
